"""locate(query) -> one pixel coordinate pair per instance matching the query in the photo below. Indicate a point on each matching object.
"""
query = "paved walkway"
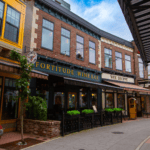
(102, 138)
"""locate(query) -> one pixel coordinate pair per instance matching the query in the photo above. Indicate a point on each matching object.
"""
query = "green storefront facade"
(68, 86)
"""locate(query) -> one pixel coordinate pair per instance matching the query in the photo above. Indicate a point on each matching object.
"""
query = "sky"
(104, 14)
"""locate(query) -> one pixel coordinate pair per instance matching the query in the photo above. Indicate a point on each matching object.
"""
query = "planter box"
(71, 116)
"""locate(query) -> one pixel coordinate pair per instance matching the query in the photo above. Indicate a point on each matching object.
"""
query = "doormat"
(14, 146)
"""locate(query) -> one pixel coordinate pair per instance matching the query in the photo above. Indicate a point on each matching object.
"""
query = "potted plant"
(87, 112)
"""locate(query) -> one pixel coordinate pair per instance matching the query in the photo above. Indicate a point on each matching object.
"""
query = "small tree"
(22, 84)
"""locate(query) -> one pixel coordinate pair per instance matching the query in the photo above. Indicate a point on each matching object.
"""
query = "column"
(99, 99)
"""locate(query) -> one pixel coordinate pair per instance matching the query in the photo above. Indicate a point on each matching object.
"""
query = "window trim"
(69, 44)
(139, 67)
(109, 55)
(124, 100)
(89, 52)
(119, 58)
(49, 30)
(18, 31)
(83, 47)
(129, 61)
(113, 98)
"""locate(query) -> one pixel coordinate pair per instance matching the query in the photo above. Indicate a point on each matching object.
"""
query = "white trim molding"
(116, 44)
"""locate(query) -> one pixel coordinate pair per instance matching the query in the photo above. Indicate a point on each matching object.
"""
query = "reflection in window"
(10, 107)
(94, 99)
(59, 99)
(72, 101)
(47, 34)
(1, 14)
(79, 47)
(128, 63)
(108, 58)
(83, 100)
(65, 41)
(109, 100)
(141, 69)
(92, 52)
(121, 101)
(118, 57)
(12, 24)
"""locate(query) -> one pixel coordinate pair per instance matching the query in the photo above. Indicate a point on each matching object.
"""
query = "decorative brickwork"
(42, 128)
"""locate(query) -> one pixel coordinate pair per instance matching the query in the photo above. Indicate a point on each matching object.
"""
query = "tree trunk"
(22, 139)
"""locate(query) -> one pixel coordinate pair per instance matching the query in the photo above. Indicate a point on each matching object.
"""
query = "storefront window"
(83, 100)
(72, 100)
(121, 101)
(59, 98)
(94, 99)
(10, 107)
(109, 100)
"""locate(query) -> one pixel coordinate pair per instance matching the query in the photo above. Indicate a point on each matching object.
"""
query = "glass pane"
(83, 100)
(1, 9)
(6, 82)
(14, 83)
(127, 57)
(80, 39)
(141, 71)
(117, 54)
(72, 101)
(108, 51)
(79, 51)
(10, 83)
(65, 45)
(92, 55)
(59, 99)
(140, 60)
(92, 44)
(48, 24)
(109, 100)
(108, 61)
(13, 16)
(121, 101)
(0, 95)
(65, 32)
(10, 107)
(94, 99)
(11, 33)
(118, 63)
(128, 66)
(47, 39)
(148, 71)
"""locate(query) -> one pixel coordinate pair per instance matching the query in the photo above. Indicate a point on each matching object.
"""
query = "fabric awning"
(15, 68)
(129, 87)
(85, 83)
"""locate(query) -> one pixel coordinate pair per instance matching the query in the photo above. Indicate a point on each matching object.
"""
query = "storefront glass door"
(10, 106)
(72, 100)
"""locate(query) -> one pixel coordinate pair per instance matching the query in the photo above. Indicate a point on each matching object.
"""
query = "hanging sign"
(32, 57)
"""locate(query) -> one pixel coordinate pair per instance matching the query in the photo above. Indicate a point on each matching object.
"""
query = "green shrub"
(113, 109)
(36, 108)
(88, 111)
(73, 112)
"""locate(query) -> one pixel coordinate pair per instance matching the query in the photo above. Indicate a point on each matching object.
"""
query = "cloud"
(105, 15)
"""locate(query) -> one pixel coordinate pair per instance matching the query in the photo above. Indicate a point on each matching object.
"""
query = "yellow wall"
(21, 7)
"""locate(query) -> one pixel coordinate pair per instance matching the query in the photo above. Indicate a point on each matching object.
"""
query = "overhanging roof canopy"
(137, 15)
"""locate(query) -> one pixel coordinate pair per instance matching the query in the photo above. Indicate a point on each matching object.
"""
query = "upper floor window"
(1, 14)
(12, 24)
(79, 47)
(118, 58)
(141, 70)
(91, 52)
(128, 63)
(149, 71)
(65, 42)
(108, 58)
(47, 34)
